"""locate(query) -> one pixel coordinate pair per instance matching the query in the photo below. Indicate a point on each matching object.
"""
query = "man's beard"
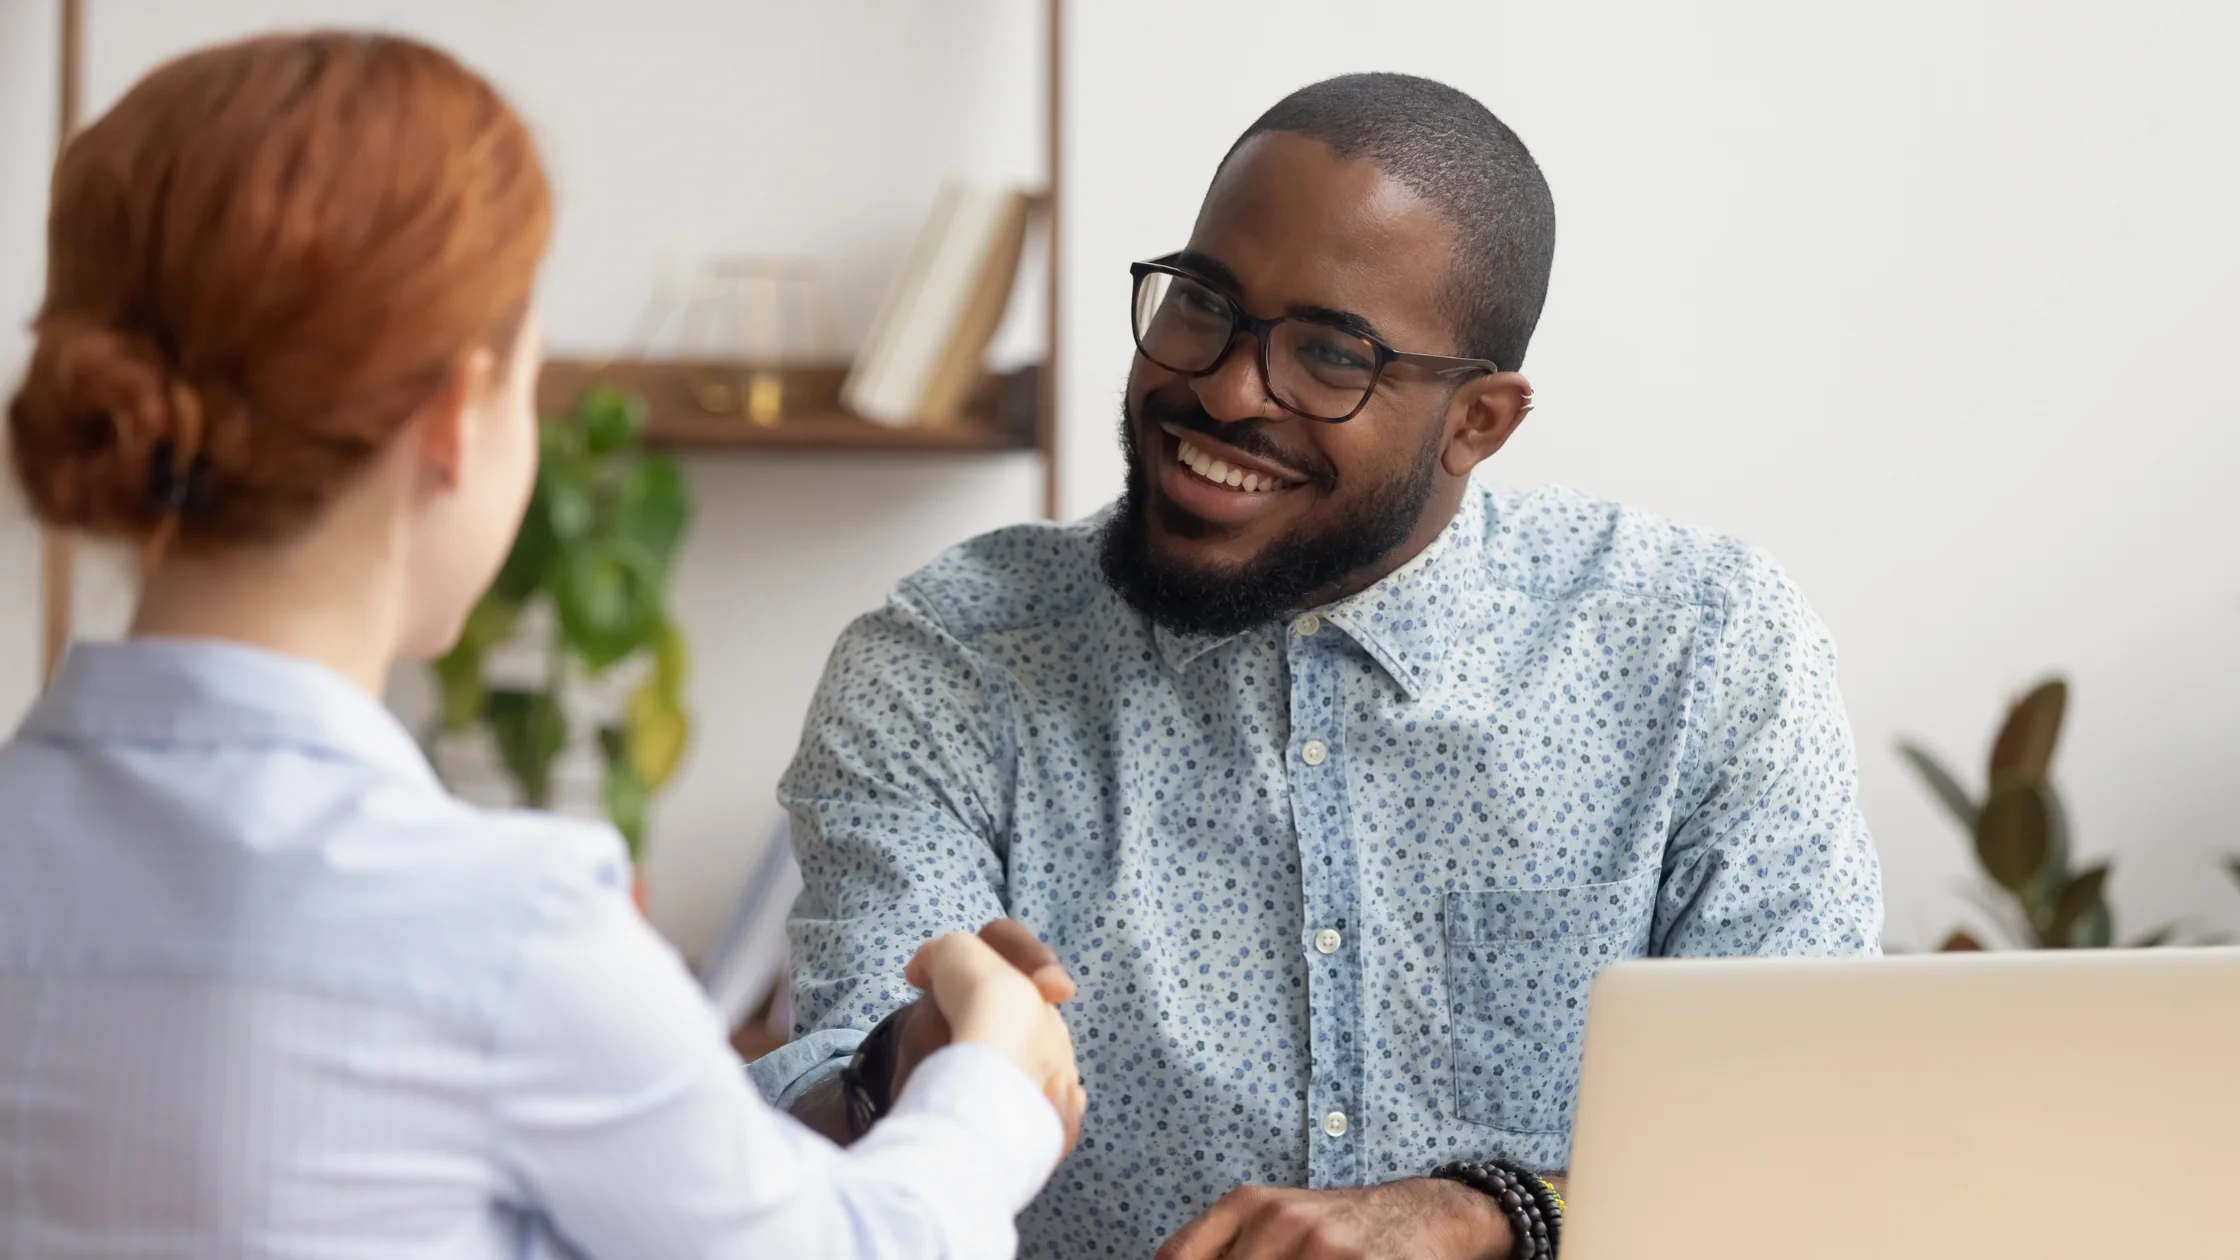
(1288, 575)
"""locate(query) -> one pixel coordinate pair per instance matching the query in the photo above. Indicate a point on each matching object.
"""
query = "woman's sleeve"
(628, 1123)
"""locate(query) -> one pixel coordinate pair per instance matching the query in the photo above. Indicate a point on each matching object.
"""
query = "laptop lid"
(1952, 1107)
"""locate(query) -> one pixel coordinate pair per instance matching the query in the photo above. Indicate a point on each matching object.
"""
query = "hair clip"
(173, 490)
(176, 468)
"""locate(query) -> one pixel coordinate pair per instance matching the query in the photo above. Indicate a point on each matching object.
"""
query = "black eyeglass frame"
(1244, 321)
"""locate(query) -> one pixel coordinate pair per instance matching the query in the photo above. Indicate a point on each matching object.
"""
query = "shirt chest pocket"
(1518, 966)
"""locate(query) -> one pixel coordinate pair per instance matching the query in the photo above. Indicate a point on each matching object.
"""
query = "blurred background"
(1937, 300)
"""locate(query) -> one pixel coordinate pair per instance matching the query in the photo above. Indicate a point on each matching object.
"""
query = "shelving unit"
(58, 549)
(1000, 417)
(1008, 413)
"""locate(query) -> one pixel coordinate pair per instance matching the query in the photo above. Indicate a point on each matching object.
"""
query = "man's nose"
(1235, 390)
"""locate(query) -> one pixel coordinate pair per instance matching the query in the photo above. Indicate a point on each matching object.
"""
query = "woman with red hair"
(265, 988)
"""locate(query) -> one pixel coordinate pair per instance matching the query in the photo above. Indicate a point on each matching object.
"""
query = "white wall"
(674, 131)
(1936, 299)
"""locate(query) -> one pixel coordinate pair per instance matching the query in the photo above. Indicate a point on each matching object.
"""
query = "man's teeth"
(1214, 470)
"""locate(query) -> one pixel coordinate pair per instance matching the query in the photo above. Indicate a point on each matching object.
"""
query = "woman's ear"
(1481, 417)
(443, 420)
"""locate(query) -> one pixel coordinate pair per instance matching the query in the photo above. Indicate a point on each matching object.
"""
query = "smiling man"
(1331, 775)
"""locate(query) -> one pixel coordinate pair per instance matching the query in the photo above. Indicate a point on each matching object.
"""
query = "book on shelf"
(930, 337)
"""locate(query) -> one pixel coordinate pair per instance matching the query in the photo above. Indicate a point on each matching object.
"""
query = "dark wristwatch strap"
(867, 1082)
(1533, 1209)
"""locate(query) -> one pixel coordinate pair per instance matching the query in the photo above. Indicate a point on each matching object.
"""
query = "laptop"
(2040, 1106)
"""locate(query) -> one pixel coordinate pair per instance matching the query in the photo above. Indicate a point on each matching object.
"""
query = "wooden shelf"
(678, 394)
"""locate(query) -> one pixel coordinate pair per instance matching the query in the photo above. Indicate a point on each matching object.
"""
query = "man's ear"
(1481, 417)
(443, 419)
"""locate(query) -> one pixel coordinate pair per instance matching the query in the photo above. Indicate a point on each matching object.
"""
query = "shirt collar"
(200, 691)
(1405, 621)
(1181, 649)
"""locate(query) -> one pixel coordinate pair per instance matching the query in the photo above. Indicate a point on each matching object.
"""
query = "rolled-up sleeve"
(1771, 855)
(897, 798)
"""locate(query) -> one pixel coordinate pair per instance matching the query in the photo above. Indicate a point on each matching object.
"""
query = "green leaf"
(2011, 836)
(614, 743)
(2082, 895)
(2098, 927)
(530, 730)
(626, 793)
(658, 729)
(459, 671)
(459, 683)
(1960, 942)
(533, 546)
(566, 492)
(1941, 782)
(567, 480)
(672, 658)
(561, 437)
(610, 419)
(2024, 750)
(608, 594)
(2159, 937)
(651, 506)
(2053, 874)
(491, 621)
(2233, 864)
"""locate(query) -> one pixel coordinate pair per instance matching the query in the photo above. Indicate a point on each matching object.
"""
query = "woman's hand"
(982, 995)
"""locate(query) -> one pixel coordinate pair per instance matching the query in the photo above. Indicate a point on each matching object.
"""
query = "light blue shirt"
(267, 990)
(1333, 889)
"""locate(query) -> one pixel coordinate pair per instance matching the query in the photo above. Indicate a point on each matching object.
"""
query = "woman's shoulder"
(582, 991)
(431, 902)
(297, 871)
(501, 874)
(544, 864)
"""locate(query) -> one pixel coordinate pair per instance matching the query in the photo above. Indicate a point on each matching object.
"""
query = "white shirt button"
(1307, 624)
(1334, 1124)
(1326, 941)
(1314, 753)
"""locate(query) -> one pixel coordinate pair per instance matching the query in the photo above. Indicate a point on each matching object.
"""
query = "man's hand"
(1418, 1219)
(925, 1031)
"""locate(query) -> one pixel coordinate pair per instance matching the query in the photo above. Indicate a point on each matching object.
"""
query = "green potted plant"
(2021, 836)
(595, 548)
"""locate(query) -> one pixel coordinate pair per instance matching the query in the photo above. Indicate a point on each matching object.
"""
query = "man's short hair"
(1451, 151)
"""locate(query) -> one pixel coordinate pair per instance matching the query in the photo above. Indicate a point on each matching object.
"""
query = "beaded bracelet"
(1531, 1205)
(1545, 1196)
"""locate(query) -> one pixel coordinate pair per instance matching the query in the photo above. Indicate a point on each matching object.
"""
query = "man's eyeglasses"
(1310, 367)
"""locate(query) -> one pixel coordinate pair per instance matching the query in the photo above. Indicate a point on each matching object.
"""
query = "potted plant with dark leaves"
(589, 576)
(2040, 898)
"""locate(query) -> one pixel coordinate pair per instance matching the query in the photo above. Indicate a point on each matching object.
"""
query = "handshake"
(998, 989)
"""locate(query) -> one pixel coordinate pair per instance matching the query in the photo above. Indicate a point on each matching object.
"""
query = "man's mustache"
(1249, 436)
